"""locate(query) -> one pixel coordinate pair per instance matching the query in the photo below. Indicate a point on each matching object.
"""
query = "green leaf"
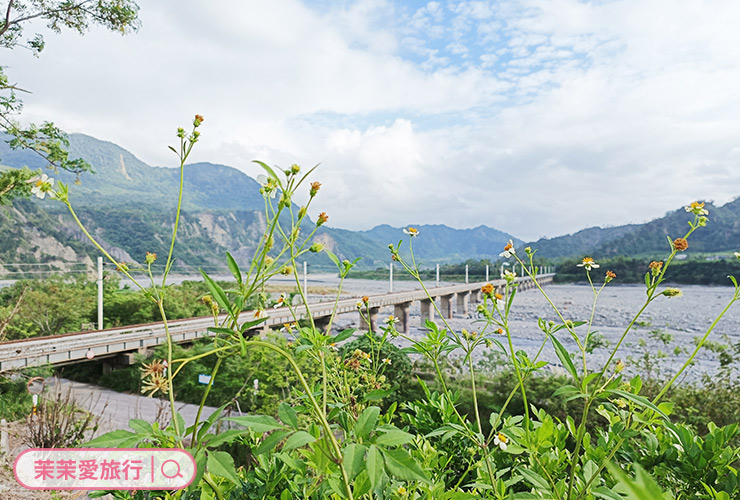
(375, 466)
(401, 465)
(344, 335)
(366, 423)
(298, 439)
(217, 293)
(140, 426)
(354, 459)
(534, 479)
(234, 267)
(564, 357)
(361, 485)
(639, 400)
(227, 331)
(221, 464)
(642, 487)
(271, 441)
(334, 259)
(225, 437)
(287, 415)
(258, 423)
(269, 171)
(117, 439)
(393, 437)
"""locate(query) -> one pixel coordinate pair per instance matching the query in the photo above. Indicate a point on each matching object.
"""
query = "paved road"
(115, 409)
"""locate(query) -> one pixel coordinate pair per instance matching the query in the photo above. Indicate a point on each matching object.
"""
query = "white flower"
(509, 276)
(386, 361)
(588, 263)
(268, 185)
(737, 255)
(42, 184)
(280, 301)
(501, 441)
(412, 231)
(508, 250)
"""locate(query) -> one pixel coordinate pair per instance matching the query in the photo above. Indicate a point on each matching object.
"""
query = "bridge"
(123, 342)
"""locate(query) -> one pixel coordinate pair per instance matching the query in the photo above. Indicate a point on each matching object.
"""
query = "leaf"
(642, 487)
(344, 335)
(354, 459)
(534, 479)
(234, 267)
(333, 258)
(298, 439)
(403, 466)
(287, 415)
(140, 426)
(217, 293)
(393, 437)
(221, 464)
(270, 172)
(258, 423)
(271, 441)
(225, 437)
(375, 465)
(566, 390)
(117, 439)
(227, 331)
(639, 400)
(564, 357)
(366, 423)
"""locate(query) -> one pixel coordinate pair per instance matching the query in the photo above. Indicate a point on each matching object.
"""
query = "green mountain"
(721, 235)
(129, 206)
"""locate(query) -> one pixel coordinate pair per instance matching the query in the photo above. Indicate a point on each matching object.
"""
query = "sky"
(536, 117)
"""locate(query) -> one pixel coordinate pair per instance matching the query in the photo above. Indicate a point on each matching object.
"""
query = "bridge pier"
(446, 305)
(321, 323)
(370, 314)
(401, 312)
(463, 300)
(427, 310)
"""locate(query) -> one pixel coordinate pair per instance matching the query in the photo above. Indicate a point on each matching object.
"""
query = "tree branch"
(7, 19)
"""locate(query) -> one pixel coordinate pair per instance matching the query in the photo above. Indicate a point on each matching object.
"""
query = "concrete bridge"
(123, 342)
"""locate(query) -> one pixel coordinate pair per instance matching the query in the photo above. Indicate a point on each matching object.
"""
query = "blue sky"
(536, 117)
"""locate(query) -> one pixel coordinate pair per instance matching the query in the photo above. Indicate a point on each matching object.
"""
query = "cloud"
(538, 117)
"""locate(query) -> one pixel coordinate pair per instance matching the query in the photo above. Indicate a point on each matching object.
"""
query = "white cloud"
(533, 116)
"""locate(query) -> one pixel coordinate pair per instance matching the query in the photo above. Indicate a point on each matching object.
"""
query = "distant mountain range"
(129, 206)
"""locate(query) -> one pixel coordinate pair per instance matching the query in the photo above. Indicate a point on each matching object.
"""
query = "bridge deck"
(71, 347)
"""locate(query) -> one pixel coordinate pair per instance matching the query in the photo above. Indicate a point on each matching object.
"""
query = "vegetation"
(329, 437)
(46, 140)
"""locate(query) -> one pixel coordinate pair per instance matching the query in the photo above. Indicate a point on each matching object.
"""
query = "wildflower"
(294, 169)
(316, 247)
(697, 208)
(151, 257)
(322, 219)
(528, 250)
(680, 244)
(333, 346)
(508, 250)
(386, 361)
(286, 270)
(588, 263)
(288, 327)
(315, 186)
(655, 267)
(365, 299)
(198, 120)
(121, 267)
(280, 301)
(672, 292)
(488, 343)
(269, 186)
(610, 275)
(621, 403)
(498, 296)
(260, 313)
(155, 367)
(737, 255)
(42, 184)
(501, 441)
(412, 231)
(500, 331)
(620, 366)
(487, 289)
(154, 383)
(401, 491)
(509, 276)
(391, 320)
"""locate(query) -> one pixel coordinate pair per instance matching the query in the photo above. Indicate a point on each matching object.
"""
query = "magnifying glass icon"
(176, 474)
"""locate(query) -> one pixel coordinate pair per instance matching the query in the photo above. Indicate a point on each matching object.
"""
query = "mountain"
(721, 235)
(129, 207)
(438, 243)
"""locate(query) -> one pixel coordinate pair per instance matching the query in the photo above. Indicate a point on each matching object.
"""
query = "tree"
(46, 139)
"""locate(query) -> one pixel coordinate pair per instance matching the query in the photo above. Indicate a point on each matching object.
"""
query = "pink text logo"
(104, 469)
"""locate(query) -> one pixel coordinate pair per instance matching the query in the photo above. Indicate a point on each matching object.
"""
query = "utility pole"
(100, 293)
